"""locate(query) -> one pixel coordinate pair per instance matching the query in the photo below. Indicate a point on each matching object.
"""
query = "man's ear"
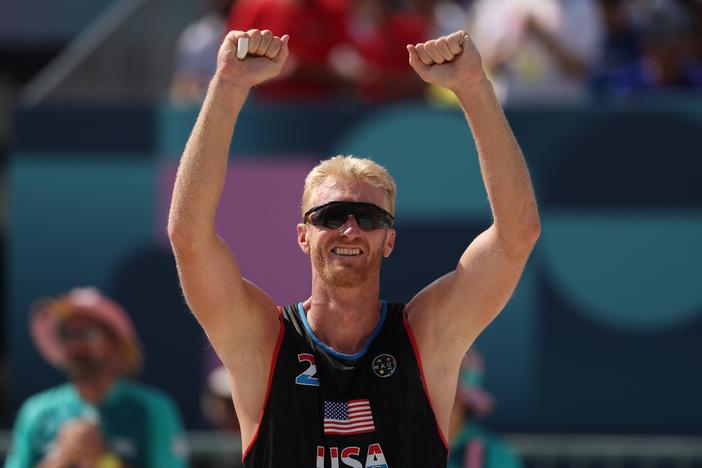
(302, 239)
(389, 242)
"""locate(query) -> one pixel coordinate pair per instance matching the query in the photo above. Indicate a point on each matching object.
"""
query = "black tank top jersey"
(325, 409)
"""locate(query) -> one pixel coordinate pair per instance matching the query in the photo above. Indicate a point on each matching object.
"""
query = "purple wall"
(258, 212)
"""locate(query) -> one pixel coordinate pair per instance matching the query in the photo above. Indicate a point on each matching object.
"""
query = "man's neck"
(95, 388)
(344, 318)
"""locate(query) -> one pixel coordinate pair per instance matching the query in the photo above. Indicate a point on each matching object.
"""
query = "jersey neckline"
(337, 354)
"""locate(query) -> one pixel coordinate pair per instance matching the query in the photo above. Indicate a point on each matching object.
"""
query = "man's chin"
(346, 277)
(345, 281)
(346, 274)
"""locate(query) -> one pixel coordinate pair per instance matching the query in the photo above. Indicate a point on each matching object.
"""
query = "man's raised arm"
(448, 315)
(239, 319)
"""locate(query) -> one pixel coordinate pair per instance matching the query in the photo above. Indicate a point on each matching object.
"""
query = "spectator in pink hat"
(473, 446)
(99, 419)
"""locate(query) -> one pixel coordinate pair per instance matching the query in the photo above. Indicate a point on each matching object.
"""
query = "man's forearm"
(203, 165)
(502, 164)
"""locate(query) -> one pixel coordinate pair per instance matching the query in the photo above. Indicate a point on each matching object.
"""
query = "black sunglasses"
(334, 214)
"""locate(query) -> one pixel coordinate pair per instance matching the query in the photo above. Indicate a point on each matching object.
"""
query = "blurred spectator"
(668, 63)
(218, 409)
(694, 8)
(196, 53)
(643, 12)
(98, 419)
(217, 403)
(449, 16)
(379, 32)
(316, 28)
(622, 43)
(538, 51)
(472, 446)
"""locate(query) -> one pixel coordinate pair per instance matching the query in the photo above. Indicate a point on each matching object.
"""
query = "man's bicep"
(459, 305)
(229, 308)
(483, 283)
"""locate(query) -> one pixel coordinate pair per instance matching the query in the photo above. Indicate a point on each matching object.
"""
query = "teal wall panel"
(72, 223)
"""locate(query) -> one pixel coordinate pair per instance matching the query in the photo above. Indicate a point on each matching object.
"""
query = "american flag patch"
(348, 418)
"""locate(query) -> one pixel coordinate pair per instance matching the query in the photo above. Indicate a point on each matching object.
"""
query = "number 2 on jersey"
(307, 377)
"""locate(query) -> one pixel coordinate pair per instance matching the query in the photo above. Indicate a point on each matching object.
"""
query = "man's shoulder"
(51, 396)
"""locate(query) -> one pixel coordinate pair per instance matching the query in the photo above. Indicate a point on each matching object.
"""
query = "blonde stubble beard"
(347, 278)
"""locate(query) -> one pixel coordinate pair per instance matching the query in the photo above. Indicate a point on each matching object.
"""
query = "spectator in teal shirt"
(99, 419)
(473, 446)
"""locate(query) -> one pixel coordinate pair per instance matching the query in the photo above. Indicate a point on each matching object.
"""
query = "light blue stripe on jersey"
(336, 354)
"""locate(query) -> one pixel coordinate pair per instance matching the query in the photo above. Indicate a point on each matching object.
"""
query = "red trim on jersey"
(421, 374)
(278, 342)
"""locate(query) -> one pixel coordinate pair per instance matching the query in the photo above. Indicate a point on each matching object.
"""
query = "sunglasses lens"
(365, 217)
(368, 217)
(334, 217)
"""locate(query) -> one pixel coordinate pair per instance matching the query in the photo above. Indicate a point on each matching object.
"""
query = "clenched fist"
(448, 61)
(265, 58)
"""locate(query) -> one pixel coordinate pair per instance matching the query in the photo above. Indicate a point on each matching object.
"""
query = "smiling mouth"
(346, 252)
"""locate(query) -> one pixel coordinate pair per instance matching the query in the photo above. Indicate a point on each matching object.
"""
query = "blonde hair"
(350, 168)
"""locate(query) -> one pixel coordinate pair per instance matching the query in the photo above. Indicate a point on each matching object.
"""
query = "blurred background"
(595, 361)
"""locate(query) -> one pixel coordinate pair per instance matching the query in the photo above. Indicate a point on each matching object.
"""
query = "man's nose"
(350, 227)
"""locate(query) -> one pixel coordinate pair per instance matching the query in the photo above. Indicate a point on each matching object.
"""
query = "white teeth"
(344, 251)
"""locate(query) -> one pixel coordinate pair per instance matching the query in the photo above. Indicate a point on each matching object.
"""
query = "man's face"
(89, 347)
(348, 256)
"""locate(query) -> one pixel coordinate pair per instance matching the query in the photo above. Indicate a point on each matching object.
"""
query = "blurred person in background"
(449, 15)
(668, 64)
(472, 445)
(218, 409)
(317, 28)
(376, 56)
(694, 8)
(196, 53)
(622, 44)
(538, 51)
(217, 404)
(343, 375)
(99, 419)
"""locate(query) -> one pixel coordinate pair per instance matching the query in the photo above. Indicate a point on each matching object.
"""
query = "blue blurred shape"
(632, 270)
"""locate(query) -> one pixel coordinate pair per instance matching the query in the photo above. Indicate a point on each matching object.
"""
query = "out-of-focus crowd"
(536, 52)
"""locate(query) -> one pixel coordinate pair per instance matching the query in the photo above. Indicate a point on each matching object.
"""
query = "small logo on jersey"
(384, 365)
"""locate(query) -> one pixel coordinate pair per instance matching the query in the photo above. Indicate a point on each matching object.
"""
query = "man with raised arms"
(343, 378)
